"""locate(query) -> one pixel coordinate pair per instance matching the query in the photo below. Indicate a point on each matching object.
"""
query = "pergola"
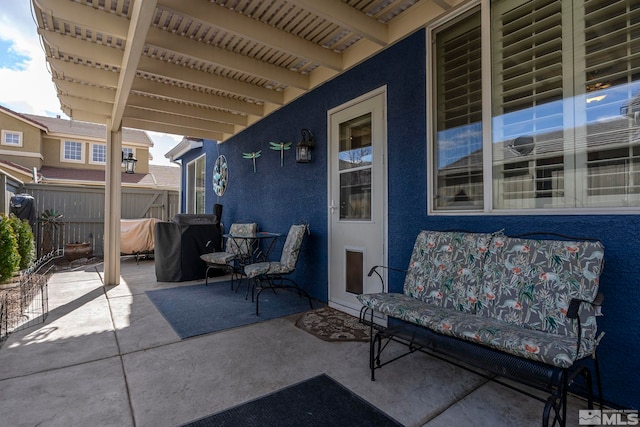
(204, 68)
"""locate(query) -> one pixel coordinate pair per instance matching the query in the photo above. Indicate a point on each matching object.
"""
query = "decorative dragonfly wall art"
(253, 155)
(281, 146)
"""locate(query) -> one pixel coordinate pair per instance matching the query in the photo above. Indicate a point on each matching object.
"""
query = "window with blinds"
(611, 46)
(565, 106)
(528, 104)
(458, 139)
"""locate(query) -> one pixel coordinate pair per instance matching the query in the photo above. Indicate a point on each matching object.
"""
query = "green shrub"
(9, 256)
(25, 240)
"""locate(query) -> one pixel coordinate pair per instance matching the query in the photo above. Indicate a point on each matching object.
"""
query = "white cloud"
(162, 144)
(29, 88)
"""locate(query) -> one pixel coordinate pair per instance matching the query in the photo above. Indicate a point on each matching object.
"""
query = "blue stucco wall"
(276, 197)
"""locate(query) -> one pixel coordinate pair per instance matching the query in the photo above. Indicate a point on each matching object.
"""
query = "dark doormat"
(199, 309)
(319, 401)
(332, 325)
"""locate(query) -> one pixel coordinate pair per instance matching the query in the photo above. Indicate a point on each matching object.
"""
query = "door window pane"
(355, 160)
(355, 195)
(355, 143)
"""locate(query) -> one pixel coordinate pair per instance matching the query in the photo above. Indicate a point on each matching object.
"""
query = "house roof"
(183, 147)
(14, 168)
(24, 118)
(210, 69)
(166, 176)
(61, 126)
(158, 176)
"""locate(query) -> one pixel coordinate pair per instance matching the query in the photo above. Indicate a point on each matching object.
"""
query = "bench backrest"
(446, 269)
(531, 283)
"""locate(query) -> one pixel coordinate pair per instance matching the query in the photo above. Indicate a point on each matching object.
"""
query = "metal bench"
(510, 307)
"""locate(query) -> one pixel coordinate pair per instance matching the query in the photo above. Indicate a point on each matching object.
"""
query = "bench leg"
(373, 338)
(598, 380)
(558, 402)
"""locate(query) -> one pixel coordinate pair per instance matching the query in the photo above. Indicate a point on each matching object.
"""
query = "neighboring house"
(52, 150)
(425, 135)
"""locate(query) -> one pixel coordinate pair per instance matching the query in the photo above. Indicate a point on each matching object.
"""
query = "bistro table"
(262, 243)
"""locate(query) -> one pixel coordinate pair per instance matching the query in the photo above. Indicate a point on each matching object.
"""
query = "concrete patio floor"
(107, 357)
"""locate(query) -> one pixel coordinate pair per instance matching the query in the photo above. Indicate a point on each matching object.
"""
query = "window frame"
(6, 132)
(484, 8)
(91, 155)
(63, 152)
(191, 198)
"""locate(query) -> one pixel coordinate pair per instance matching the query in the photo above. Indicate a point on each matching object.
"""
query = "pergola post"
(112, 207)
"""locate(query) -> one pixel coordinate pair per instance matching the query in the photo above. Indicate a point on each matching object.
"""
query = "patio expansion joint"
(120, 356)
(454, 402)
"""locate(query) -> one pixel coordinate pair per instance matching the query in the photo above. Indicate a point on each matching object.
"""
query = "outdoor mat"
(199, 309)
(332, 325)
(319, 401)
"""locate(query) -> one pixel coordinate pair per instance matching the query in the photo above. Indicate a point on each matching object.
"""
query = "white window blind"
(612, 101)
(527, 102)
(565, 106)
(458, 140)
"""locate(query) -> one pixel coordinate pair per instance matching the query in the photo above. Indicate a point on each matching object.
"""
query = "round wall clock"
(220, 175)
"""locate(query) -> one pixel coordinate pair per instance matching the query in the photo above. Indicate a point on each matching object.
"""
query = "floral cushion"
(242, 247)
(258, 268)
(218, 258)
(552, 349)
(530, 283)
(292, 245)
(516, 304)
(446, 268)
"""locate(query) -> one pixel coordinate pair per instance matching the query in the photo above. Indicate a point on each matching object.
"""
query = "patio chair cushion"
(218, 258)
(234, 248)
(238, 246)
(291, 247)
(260, 268)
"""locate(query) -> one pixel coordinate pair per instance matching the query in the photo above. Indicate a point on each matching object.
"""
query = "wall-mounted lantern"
(304, 147)
(129, 162)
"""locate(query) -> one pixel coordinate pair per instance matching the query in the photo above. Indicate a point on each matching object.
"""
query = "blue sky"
(25, 82)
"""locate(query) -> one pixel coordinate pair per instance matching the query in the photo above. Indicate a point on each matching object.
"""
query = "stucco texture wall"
(277, 197)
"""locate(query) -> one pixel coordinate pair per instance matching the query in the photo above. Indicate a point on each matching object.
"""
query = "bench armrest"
(375, 268)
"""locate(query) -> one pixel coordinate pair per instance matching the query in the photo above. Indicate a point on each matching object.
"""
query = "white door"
(357, 198)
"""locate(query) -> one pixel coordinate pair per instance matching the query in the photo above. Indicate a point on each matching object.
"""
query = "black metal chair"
(236, 253)
(271, 275)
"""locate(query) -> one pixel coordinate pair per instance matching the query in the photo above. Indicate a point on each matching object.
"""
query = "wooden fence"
(82, 210)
